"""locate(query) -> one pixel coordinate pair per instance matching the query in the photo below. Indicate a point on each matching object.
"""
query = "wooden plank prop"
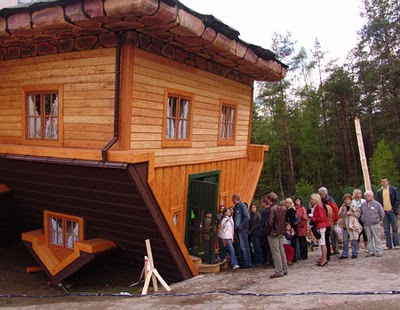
(363, 158)
(153, 273)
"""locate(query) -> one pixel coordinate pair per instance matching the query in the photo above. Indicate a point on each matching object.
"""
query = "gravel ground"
(363, 283)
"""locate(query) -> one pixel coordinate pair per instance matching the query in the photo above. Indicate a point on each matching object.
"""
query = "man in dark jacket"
(387, 196)
(241, 219)
(275, 228)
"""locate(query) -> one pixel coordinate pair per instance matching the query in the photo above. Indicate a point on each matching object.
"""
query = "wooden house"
(121, 121)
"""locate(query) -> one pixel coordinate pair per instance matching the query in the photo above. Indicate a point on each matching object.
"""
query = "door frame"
(198, 176)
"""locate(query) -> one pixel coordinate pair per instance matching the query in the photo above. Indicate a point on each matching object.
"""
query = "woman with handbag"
(321, 221)
(349, 213)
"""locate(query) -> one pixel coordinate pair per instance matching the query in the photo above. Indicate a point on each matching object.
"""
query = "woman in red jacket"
(319, 217)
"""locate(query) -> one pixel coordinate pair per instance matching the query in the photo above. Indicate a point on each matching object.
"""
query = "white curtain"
(73, 232)
(223, 124)
(56, 231)
(184, 119)
(171, 107)
(231, 123)
(34, 118)
(51, 120)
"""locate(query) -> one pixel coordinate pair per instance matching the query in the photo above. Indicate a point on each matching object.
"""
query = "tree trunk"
(289, 145)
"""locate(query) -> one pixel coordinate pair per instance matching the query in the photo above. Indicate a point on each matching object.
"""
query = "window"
(227, 124)
(176, 217)
(177, 119)
(42, 115)
(63, 230)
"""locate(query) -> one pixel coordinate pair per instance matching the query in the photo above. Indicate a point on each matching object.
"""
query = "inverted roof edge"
(208, 20)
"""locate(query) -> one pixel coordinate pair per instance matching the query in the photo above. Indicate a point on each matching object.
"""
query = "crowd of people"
(281, 233)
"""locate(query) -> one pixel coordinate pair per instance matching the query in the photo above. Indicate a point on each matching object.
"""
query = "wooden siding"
(114, 200)
(240, 175)
(152, 74)
(87, 80)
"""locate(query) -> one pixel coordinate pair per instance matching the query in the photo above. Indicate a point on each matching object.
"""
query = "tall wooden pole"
(363, 159)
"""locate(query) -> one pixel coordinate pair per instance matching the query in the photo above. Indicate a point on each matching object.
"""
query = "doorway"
(201, 214)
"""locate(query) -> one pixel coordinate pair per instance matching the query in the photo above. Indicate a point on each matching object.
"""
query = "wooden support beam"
(153, 273)
(363, 158)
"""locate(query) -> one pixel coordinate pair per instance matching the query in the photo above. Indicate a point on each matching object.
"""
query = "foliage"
(304, 188)
(310, 129)
(383, 164)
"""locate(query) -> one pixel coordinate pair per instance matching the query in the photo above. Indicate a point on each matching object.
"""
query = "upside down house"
(124, 120)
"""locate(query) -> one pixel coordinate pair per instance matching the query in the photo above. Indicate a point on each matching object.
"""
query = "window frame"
(227, 103)
(47, 215)
(42, 89)
(177, 142)
(223, 197)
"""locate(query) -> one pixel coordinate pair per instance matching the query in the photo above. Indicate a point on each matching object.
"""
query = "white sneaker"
(396, 247)
(235, 267)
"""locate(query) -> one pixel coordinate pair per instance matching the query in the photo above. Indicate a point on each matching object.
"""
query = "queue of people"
(279, 236)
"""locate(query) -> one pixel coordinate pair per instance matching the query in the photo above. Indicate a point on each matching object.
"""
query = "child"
(289, 250)
(208, 247)
(226, 234)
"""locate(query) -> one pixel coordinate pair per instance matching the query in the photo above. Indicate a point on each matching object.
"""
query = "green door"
(200, 228)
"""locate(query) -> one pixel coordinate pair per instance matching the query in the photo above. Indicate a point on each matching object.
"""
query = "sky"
(334, 22)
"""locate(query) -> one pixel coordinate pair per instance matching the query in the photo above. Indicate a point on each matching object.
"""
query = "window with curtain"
(42, 114)
(64, 230)
(227, 122)
(177, 121)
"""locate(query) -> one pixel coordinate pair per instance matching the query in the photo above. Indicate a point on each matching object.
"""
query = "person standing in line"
(241, 219)
(302, 230)
(320, 219)
(387, 197)
(226, 236)
(265, 245)
(349, 215)
(291, 217)
(358, 201)
(275, 228)
(255, 235)
(323, 192)
(372, 214)
(328, 231)
(218, 220)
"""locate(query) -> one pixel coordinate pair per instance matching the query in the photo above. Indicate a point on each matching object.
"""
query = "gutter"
(104, 151)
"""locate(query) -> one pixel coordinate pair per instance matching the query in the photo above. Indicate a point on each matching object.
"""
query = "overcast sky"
(334, 22)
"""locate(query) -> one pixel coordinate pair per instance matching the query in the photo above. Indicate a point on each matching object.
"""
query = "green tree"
(383, 164)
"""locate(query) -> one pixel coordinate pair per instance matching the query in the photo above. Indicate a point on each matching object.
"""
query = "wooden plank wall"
(170, 184)
(152, 74)
(87, 79)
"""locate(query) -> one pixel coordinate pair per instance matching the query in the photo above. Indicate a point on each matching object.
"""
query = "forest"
(307, 119)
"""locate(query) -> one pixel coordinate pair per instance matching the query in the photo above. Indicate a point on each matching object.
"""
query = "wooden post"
(153, 273)
(363, 159)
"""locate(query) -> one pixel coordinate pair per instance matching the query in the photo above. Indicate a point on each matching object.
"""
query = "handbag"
(297, 221)
(314, 230)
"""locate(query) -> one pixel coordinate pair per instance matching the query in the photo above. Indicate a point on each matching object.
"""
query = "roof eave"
(166, 20)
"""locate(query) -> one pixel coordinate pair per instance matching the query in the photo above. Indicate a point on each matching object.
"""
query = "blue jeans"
(255, 239)
(231, 250)
(390, 219)
(354, 245)
(244, 248)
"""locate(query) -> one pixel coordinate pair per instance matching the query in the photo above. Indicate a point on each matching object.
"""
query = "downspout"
(104, 151)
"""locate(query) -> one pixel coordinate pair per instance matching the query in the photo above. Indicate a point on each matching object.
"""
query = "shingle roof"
(167, 21)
